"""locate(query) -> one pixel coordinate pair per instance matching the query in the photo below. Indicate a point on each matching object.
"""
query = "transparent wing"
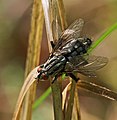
(94, 63)
(72, 32)
(88, 73)
(88, 65)
(75, 62)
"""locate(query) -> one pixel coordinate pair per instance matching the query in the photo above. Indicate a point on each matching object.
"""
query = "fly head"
(42, 74)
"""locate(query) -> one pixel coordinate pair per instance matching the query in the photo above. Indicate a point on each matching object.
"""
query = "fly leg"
(52, 44)
(73, 77)
(54, 79)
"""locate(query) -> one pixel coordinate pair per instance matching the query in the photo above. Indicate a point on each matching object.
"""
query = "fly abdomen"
(76, 47)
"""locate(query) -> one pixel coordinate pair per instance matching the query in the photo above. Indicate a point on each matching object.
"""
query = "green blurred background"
(15, 18)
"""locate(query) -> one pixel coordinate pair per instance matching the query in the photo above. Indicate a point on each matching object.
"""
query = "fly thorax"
(54, 65)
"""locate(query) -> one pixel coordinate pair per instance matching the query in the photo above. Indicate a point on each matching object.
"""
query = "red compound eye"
(39, 69)
(44, 76)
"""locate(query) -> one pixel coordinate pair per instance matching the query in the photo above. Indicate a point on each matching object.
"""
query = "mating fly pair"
(70, 56)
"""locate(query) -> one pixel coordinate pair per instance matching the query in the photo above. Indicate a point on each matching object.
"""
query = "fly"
(70, 55)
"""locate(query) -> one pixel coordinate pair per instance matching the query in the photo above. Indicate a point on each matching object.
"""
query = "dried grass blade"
(46, 9)
(49, 8)
(33, 55)
(68, 113)
(76, 109)
(62, 14)
(64, 95)
(97, 89)
(57, 101)
(28, 82)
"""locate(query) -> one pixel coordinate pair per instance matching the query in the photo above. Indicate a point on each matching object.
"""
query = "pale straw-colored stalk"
(33, 55)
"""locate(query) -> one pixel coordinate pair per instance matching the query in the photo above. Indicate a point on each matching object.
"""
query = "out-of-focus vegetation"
(14, 29)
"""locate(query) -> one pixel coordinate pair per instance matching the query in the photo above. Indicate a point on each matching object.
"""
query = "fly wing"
(88, 65)
(76, 62)
(94, 63)
(72, 32)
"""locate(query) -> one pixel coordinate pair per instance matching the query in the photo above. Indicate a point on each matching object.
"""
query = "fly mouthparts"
(38, 76)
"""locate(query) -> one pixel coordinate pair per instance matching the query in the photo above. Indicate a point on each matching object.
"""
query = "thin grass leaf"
(103, 36)
(42, 98)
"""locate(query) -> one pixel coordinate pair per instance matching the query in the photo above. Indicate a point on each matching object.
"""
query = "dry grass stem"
(97, 89)
(49, 8)
(64, 95)
(32, 60)
(28, 82)
(76, 109)
(68, 112)
(62, 14)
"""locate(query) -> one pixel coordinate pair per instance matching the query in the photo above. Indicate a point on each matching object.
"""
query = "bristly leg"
(52, 44)
(54, 79)
(73, 77)
(68, 74)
